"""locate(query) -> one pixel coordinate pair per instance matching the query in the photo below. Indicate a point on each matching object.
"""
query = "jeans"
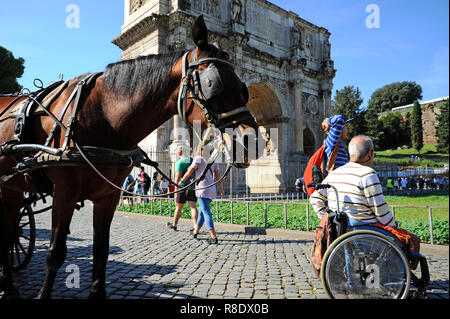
(204, 213)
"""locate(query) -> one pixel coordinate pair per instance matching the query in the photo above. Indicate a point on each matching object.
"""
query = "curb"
(438, 250)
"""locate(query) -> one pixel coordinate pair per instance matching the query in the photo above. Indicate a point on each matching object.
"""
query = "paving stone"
(147, 260)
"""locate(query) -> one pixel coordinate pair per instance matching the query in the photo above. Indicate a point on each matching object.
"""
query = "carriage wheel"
(22, 248)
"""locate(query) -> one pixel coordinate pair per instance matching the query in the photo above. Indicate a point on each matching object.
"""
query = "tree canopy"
(442, 128)
(347, 102)
(416, 127)
(394, 95)
(10, 70)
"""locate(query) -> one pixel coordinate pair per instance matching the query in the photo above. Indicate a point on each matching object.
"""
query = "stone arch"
(309, 143)
(264, 103)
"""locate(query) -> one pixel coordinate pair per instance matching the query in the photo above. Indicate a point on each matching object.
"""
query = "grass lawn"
(420, 214)
(429, 157)
(296, 214)
(415, 220)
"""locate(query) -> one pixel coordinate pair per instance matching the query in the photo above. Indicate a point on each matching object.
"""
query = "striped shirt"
(337, 123)
(360, 195)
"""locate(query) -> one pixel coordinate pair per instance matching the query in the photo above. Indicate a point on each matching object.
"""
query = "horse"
(124, 105)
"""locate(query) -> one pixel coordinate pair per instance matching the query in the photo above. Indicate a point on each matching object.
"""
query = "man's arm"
(377, 203)
(178, 177)
(318, 200)
(220, 183)
(188, 174)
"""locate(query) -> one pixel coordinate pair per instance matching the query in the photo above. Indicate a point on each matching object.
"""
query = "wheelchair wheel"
(365, 264)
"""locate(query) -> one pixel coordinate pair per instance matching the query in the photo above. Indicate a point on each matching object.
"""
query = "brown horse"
(126, 103)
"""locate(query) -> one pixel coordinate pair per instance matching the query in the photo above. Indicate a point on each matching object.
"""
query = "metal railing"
(135, 200)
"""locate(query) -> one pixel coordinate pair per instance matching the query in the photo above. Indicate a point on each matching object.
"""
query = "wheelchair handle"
(325, 186)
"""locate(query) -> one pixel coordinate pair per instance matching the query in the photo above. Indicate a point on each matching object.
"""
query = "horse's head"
(212, 93)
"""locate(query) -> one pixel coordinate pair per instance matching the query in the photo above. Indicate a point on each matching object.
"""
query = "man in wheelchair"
(360, 199)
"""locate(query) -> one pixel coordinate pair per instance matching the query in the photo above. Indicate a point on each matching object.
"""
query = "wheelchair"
(368, 262)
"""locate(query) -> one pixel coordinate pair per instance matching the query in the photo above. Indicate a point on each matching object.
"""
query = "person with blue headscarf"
(336, 130)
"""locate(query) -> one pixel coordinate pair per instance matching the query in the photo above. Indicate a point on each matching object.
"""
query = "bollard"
(217, 211)
(307, 217)
(248, 214)
(231, 211)
(430, 221)
(285, 215)
(265, 214)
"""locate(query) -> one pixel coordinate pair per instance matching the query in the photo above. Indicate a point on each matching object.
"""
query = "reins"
(148, 161)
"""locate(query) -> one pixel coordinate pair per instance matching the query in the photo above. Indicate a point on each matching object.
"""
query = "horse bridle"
(202, 86)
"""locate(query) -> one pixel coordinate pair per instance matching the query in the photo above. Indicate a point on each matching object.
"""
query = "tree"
(374, 128)
(416, 127)
(396, 130)
(442, 128)
(394, 95)
(10, 70)
(347, 102)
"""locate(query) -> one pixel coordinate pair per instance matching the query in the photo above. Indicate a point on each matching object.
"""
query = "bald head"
(359, 147)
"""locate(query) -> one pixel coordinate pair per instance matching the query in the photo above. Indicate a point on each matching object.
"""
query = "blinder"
(208, 84)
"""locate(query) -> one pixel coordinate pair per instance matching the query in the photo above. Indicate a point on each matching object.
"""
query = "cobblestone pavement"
(147, 260)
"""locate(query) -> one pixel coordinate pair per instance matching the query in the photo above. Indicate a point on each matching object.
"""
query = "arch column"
(298, 116)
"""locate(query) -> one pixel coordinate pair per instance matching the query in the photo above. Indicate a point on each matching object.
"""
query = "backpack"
(330, 227)
(323, 237)
(298, 183)
(147, 181)
(316, 159)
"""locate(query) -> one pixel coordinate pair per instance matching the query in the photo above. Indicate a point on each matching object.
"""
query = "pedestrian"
(144, 182)
(336, 130)
(300, 185)
(205, 195)
(128, 185)
(396, 184)
(404, 183)
(390, 184)
(171, 189)
(186, 195)
(164, 185)
(155, 187)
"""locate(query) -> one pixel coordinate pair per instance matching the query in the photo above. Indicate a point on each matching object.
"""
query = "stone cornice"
(139, 30)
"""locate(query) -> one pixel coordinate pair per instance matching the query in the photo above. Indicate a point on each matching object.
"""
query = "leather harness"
(32, 158)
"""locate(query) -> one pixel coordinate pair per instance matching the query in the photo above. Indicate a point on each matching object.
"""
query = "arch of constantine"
(283, 59)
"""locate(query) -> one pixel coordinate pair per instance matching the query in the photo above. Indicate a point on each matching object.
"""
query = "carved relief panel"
(136, 4)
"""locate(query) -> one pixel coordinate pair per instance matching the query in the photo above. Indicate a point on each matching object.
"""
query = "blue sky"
(411, 43)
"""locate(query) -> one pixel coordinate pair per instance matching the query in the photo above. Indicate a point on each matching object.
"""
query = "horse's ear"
(200, 33)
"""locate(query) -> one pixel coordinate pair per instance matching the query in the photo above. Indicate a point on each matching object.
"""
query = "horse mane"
(148, 75)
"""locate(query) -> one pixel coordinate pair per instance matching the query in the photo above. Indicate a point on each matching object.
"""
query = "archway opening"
(308, 142)
(263, 102)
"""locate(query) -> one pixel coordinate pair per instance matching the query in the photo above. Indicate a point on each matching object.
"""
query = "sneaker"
(212, 240)
(171, 226)
(193, 234)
